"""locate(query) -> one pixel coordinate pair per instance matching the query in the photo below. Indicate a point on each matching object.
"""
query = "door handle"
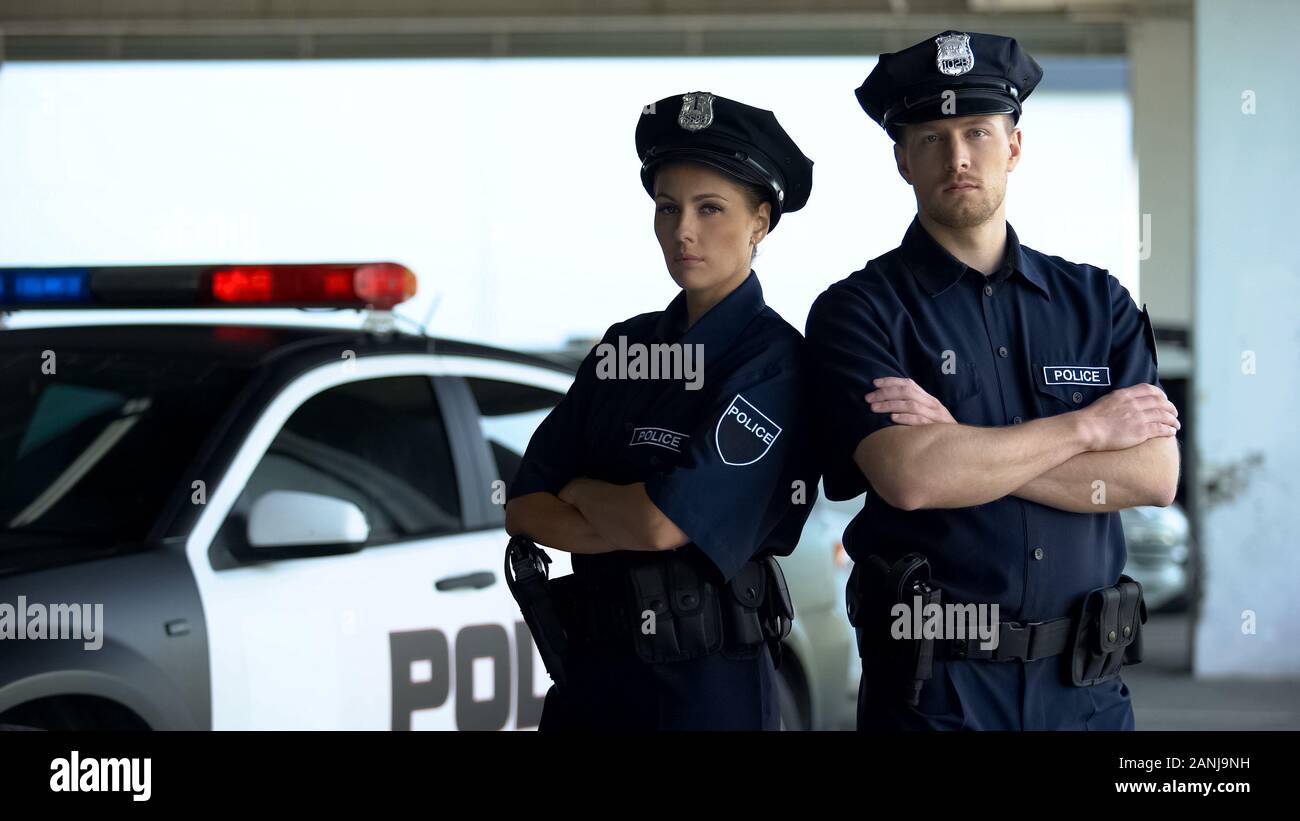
(472, 581)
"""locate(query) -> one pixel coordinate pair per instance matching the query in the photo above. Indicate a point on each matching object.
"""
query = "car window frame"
(555, 379)
(276, 412)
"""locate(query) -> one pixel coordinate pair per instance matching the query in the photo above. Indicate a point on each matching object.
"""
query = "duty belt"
(594, 613)
(667, 609)
(1017, 641)
(1103, 633)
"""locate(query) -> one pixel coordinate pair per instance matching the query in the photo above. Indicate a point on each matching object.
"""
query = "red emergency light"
(373, 285)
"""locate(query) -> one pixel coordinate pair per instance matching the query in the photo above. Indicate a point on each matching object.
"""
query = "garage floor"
(1166, 697)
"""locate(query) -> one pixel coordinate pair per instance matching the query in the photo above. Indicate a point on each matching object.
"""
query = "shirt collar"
(937, 270)
(720, 324)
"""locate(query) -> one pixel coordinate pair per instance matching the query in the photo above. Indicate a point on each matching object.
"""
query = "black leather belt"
(1017, 641)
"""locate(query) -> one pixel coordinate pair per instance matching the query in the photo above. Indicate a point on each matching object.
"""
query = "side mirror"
(289, 523)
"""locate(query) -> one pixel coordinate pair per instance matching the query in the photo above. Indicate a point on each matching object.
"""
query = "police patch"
(660, 437)
(1076, 375)
(744, 433)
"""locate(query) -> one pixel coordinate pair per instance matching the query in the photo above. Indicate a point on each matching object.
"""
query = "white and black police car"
(233, 526)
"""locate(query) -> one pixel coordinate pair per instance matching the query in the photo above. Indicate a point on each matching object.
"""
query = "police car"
(231, 526)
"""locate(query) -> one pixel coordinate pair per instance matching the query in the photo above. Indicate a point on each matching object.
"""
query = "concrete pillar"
(1160, 82)
(1246, 66)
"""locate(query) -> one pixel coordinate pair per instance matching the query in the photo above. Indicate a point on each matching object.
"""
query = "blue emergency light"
(374, 285)
(37, 286)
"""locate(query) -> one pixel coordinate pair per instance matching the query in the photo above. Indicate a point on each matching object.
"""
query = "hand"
(1128, 417)
(906, 403)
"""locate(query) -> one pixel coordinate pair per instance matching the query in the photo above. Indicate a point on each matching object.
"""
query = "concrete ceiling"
(297, 29)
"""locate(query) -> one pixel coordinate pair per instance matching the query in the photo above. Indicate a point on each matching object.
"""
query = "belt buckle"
(1019, 647)
(1029, 645)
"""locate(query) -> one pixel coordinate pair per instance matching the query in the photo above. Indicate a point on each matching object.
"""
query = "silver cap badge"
(955, 56)
(697, 111)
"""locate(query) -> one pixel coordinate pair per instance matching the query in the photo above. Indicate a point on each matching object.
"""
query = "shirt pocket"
(957, 391)
(1067, 380)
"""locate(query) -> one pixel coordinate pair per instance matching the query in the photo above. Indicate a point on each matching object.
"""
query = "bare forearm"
(1102, 481)
(624, 515)
(547, 520)
(945, 466)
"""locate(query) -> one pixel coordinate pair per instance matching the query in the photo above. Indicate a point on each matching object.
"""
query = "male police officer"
(999, 405)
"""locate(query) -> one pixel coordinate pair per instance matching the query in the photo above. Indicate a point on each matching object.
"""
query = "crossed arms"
(591, 516)
(927, 460)
(1125, 440)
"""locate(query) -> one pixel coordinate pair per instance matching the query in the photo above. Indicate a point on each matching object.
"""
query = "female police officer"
(677, 458)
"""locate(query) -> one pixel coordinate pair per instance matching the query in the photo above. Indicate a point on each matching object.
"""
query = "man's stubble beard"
(962, 215)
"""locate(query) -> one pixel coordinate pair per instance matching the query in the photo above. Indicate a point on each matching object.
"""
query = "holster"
(527, 577)
(1107, 632)
(874, 588)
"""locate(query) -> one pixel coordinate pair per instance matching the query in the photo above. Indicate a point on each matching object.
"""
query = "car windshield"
(94, 442)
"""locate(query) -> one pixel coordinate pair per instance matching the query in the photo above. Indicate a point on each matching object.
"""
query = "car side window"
(509, 412)
(380, 444)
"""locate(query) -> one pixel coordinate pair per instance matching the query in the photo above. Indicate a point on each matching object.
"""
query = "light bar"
(374, 285)
(44, 286)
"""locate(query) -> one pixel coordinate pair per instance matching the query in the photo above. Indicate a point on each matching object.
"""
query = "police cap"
(741, 140)
(986, 73)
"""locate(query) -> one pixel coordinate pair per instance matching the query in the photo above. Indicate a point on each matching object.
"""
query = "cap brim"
(726, 164)
(967, 103)
(729, 165)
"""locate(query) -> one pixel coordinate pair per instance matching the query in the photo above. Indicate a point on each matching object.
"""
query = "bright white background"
(509, 186)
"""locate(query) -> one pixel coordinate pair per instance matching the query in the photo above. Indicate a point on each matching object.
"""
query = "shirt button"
(1016, 420)
(988, 290)
(1078, 397)
(1002, 351)
(1038, 553)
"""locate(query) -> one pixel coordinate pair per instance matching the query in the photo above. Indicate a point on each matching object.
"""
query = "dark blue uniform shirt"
(1039, 337)
(720, 461)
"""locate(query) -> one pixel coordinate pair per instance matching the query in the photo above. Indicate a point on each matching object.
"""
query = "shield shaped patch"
(744, 433)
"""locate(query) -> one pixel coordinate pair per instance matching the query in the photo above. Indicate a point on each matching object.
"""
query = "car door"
(509, 400)
(409, 631)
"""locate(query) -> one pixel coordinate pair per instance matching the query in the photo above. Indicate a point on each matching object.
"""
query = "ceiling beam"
(621, 35)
